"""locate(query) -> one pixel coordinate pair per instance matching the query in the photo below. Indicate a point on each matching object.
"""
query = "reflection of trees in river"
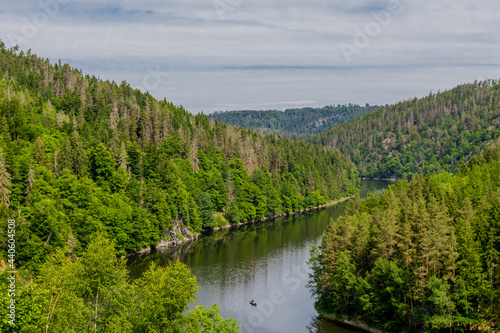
(318, 325)
(240, 248)
(237, 264)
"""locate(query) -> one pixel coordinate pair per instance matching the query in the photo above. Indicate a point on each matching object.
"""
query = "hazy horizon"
(235, 55)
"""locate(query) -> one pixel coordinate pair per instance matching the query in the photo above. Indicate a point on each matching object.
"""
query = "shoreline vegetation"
(267, 218)
(424, 255)
(386, 179)
(181, 240)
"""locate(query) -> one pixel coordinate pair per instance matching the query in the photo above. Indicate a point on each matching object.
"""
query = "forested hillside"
(92, 293)
(425, 254)
(91, 170)
(79, 155)
(293, 123)
(438, 132)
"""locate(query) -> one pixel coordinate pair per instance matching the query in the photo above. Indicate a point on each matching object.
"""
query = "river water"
(265, 262)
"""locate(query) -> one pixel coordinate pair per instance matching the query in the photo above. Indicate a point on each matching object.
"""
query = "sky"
(217, 55)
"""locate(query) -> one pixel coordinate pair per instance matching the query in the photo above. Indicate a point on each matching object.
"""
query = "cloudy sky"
(213, 55)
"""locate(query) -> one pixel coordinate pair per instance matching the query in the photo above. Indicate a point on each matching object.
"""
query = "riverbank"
(384, 179)
(180, 234)
(345, 321)
(267, 218)
(259, 261)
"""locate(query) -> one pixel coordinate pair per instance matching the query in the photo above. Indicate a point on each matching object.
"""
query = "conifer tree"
(38, 151)
(123, 157)
(79, 153)
(166, 127)
(5, 182)
(29, 181)
(114, 117)
(65, 158)
(192, 154)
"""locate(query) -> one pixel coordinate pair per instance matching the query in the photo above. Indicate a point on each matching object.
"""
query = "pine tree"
(230, 188)
(192, 154)
(247, 154)
(123, 157)
(80, 161)
(156, 125)
(30, 181)
(167, 126)
(385, 230)
(38, 151)
(65, 158)
(145, 124)
(56, 165)
(114, 117)
(4, 180)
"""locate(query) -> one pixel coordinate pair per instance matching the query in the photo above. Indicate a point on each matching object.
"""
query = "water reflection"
(374, 186)
(265, 262)
(319, 325)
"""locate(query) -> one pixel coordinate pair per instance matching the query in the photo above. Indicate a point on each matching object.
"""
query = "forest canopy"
(93, 293)
(80, 156)
(421, 135)
(424, 254)
(293, 123)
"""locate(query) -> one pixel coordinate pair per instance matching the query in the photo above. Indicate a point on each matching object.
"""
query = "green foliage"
(93, 293)
(293, 123)
(165, 293)
(427, 135)
(203, 319)
(422, 255)
(80, 156)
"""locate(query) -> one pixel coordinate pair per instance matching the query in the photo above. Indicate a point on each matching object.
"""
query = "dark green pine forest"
(422, 135)
(423, 256)
(293, 123)
(83, 159)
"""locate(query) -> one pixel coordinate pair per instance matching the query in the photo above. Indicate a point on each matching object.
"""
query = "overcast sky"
(213, 55)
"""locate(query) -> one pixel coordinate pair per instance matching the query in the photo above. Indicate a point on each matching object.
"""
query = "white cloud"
(294, 46)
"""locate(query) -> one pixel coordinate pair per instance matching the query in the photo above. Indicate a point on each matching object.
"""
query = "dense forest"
(437, 132)
(293, 123)
(93, 293)
(81, 157)
(424, 254)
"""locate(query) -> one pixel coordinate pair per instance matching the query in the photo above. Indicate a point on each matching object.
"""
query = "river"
(265, 262)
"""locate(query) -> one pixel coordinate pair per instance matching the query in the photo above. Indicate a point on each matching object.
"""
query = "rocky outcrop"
(179, 234)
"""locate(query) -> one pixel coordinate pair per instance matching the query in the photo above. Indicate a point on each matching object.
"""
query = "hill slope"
(79, 155)
(293, 123)
(423, 255)
(437, 132)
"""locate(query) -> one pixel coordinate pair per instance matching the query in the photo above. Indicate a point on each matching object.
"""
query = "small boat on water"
(254, 303)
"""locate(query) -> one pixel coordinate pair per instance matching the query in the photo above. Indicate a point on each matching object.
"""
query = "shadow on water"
(263, 261)
(319, 325)
(373, 186)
